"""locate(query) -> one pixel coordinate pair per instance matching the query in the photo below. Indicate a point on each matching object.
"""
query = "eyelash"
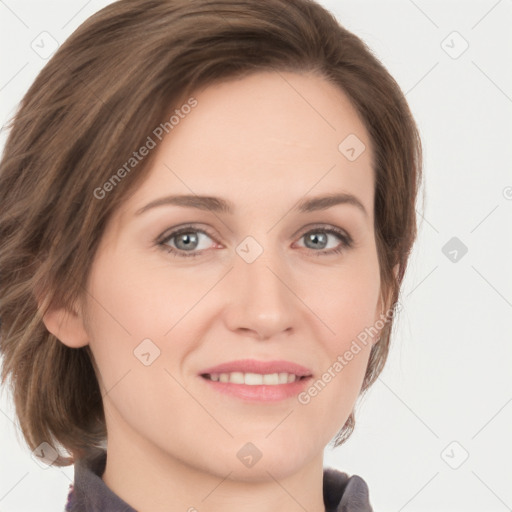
(346, 241)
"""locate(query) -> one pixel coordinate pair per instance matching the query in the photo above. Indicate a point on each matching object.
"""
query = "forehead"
(270, 136)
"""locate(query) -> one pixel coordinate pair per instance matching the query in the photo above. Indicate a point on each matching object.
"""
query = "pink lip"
(259, 393)
(262, 367)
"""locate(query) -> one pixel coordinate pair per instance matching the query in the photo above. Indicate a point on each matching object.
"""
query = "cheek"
(123, 316)
(139, 308)
(348, 308)
(133, 299)
(131, 315)
(346, 300)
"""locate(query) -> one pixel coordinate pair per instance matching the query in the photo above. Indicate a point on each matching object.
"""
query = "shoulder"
(345, 493)
(70, 499)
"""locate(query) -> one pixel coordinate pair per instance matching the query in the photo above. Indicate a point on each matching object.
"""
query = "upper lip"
(262, 367)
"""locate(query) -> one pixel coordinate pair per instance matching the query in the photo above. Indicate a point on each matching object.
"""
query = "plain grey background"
(434, 431)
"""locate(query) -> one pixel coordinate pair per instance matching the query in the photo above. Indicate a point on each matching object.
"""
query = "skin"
(172, 441)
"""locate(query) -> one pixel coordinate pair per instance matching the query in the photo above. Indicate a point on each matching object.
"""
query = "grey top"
(89, 493)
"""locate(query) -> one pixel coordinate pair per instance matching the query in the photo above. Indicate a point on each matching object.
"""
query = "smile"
(252, 387)
(254, 379)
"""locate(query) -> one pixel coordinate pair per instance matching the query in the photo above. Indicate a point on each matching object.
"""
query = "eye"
(185, 240)
(190, 241)
(318, 238)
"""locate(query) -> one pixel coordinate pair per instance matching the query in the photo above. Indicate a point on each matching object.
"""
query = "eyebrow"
(220, 205)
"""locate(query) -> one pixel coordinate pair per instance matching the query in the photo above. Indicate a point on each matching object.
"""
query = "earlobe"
(67, 326)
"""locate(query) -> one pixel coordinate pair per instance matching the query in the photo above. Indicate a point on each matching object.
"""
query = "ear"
(67, 326)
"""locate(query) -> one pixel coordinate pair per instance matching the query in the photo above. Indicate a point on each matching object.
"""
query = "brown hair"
(95, 102)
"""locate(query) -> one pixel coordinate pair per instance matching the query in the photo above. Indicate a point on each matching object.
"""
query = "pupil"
(187, 239)
(318, 239)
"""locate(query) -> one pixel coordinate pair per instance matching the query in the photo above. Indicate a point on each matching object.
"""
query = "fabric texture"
(89, 493)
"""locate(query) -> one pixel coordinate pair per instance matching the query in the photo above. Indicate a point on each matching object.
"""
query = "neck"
(151, 480)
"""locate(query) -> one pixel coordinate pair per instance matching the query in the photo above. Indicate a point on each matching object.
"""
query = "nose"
(262, 300)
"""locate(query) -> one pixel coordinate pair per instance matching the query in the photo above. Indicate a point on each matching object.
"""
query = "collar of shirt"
(89, 493)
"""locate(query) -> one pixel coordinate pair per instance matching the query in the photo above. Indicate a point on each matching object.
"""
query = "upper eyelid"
(172, 232)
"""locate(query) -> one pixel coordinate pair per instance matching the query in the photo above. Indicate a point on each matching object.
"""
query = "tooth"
(253, 379)
(270, 378)
(236, 378)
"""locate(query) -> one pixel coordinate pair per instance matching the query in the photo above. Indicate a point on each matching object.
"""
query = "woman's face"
(270, 280)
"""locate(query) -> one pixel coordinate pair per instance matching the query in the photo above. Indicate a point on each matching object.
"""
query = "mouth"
(253, 380)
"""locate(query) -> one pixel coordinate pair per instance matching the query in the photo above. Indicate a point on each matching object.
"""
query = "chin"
(260, 459)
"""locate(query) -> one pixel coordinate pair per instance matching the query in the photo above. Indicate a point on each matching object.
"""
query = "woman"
(208, 208)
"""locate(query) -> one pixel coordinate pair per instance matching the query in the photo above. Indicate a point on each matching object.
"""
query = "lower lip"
(260, 393)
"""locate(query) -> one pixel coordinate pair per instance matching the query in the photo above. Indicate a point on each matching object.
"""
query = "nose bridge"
(263, 302)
